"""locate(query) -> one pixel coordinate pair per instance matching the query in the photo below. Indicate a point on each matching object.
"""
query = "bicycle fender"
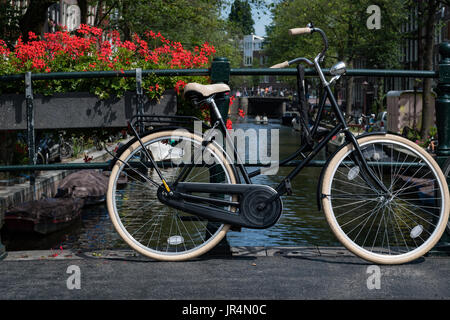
(322, 173)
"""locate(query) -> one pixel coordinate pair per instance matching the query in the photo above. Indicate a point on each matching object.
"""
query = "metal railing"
(220, 71)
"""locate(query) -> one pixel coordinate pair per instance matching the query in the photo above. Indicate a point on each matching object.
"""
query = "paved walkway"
(248, 273)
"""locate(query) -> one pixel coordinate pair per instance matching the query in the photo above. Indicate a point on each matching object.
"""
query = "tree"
(427, 116)
(344, 22)
(191, 22)
(34, 18)
(241, 15)
(14, 22)
(427, 26)
(9, 23)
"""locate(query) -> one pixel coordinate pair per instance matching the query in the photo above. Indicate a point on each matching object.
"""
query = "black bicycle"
(50, 150)
(384, 197)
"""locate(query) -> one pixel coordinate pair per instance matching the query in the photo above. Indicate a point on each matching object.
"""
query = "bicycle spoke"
(393, 224)
(160, 229)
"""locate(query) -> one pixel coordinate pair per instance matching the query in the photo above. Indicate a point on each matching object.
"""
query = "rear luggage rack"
(163, 120)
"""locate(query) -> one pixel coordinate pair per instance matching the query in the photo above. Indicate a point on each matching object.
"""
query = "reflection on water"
(92, 231)
(300, 224)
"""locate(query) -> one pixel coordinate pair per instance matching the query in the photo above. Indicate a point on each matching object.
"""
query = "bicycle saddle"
(195, 89)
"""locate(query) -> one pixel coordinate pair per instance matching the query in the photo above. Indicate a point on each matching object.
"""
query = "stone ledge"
(241, 251)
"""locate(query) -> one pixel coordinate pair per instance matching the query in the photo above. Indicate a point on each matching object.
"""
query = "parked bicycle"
(367, 122)
(65, 147)
(384, 197)
(50, 150)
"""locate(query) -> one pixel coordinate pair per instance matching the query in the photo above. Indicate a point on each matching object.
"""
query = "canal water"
(300, 224)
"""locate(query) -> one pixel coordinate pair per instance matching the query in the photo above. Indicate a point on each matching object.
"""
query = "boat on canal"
(261, 119)
(288, 117)
(43, 216)
(89, 185)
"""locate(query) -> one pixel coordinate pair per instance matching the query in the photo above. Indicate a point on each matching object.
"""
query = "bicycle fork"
(367, 174)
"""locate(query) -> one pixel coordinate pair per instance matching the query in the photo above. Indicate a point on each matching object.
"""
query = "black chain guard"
(251, 196)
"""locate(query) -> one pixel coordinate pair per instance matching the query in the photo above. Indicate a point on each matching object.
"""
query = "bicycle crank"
(247, 211)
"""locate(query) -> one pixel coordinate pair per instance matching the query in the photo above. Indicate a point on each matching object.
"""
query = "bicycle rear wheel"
(391, 228)
(144, 223)
(65, 150)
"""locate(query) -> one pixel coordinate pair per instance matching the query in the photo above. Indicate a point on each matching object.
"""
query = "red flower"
(129, 45)
(229, 124)
(90, 48)
(32, 35)
(179, 86)
(232, 98)
(87, 158)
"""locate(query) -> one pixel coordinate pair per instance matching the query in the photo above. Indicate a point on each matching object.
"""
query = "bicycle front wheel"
(392, 228)
(144, 223)
(446, 171)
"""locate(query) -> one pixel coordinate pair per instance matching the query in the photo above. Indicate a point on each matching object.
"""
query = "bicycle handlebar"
(296, 31)
(280, 65)
(311, 29)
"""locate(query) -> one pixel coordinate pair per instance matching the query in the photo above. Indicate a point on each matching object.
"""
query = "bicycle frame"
(284, 186)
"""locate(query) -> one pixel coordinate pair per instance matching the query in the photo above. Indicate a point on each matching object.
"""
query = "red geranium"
(93, 49)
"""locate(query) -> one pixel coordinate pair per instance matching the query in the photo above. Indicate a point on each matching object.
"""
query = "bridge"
(21, 112)
(272, 107)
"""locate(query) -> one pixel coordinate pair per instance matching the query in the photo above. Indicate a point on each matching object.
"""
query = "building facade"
(252, 47)
(64, 13)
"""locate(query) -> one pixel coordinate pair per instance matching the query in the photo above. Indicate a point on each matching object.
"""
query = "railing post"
(3, 252)
(443, 104)
(2, 247)
(31, 137)
(220, 73)
(139, 98)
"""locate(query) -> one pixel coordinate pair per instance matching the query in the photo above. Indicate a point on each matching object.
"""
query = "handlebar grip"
(296, 31)
(280, 65)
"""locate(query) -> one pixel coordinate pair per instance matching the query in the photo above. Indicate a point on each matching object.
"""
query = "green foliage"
(241, 15)
(9, 22)
(344, 22)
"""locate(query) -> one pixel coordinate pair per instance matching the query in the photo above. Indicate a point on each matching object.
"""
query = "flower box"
(80, 110)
